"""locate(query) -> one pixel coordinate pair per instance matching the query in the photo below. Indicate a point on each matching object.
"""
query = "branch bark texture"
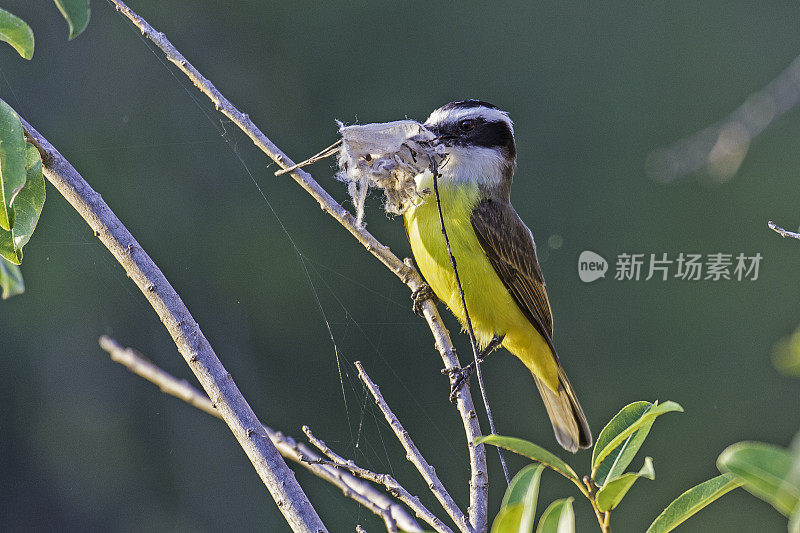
(352, 487)
(191, 343)
(413, 454)
(782, 232)
(479, 484)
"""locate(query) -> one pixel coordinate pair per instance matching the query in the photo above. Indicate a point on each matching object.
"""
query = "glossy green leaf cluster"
(767, 471)
(19, 35)
(518, 510)
(22, 193)
(622, 437)
(605, 488)
(21, 186)
(22, 190)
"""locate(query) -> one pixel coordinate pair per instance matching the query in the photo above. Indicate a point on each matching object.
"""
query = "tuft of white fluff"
(386, 156)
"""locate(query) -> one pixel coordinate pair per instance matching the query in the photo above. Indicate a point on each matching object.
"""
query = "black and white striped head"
(480, 142)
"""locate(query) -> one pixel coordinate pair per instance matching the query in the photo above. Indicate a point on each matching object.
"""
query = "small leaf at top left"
(17, 33)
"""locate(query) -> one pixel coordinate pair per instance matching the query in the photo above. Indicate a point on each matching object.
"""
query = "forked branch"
(386, 480)
(191, 343)
(479, 484)
(352, 487)
(413, 454)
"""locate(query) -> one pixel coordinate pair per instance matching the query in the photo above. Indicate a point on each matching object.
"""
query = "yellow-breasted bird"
(496, 255)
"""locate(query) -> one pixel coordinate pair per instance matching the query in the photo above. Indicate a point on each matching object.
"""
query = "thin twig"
(782, 232)
(721, 147)
(478, 484)
(327, 152)
(191, 343)
(391, 484)
(415, 456)
(298, 452)
(168, 384)
(590, 491)
(471, 332)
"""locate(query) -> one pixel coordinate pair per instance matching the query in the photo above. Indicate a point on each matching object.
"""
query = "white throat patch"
(473, 164)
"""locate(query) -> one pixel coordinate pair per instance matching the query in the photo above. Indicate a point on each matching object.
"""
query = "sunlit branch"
(413, 454)
(386, 480)
(298, 452)
(191, 343)
(479, 484)
(782, 232)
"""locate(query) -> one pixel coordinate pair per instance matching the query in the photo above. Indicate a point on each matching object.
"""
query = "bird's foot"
(419, 296)
(461, 376)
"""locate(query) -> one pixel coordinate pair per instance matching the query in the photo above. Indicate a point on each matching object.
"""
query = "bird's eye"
(467, 124)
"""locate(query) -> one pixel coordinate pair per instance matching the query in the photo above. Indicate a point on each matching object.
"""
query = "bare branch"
(136, 363)
(386, 480)
(782, 232)
(721, 147)
(352, 487)
(479, 481)
(414, 456)
(191, 343)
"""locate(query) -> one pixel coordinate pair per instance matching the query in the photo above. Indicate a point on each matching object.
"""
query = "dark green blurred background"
(86, 446)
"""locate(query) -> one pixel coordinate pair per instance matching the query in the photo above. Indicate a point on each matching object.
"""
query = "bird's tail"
(569, 423)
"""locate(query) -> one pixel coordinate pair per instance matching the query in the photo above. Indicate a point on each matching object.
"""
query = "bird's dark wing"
(509, 245)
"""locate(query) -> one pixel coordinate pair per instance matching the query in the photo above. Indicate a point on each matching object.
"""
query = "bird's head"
(479, 141)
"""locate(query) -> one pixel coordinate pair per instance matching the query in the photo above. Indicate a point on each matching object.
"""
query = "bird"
(496, 256)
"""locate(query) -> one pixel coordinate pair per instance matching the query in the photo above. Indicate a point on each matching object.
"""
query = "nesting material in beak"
(386, 156)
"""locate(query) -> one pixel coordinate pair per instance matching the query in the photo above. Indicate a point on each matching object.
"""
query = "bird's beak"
(440, 137)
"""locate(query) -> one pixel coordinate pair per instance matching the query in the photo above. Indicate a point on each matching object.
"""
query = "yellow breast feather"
(491, 307)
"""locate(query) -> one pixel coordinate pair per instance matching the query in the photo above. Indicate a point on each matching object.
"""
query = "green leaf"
(794, 522)
(508, 519)
(10, 280)
(618, 460)
(691, 501)
(786, 355)
(519, 502)
(767, 471)
(27, 205)
(12, 162)
(523, 482)
(610, 494)
(29, 201)
(77, 14)
(629, 420)
(531, 451)
(558, 518)
(7, 250)
(17, 33)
